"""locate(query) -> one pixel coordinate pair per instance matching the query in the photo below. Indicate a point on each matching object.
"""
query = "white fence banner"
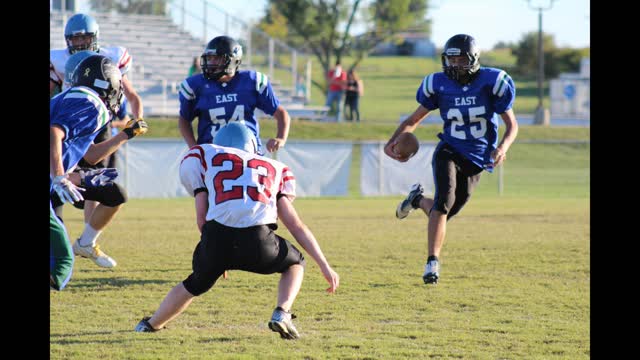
(320, 168)
(151, 168)
(381, 175)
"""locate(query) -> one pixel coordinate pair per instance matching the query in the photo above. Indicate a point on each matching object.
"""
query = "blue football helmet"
(103, 76)
(81, 24)
(237, 135)
(461, 45)
(72, 62)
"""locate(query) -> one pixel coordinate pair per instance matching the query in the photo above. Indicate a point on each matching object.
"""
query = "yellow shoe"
(94, 253)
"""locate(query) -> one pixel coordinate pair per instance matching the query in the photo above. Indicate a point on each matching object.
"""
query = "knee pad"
(444, 204)
(198, 284)
(110, 195)
(79, 205)
(458, 205)
(55, 200)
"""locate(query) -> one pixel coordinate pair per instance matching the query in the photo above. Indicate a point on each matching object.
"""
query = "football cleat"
(144, 326)
(431, 272)
(94, 253)
(281, 322)
(405, 207)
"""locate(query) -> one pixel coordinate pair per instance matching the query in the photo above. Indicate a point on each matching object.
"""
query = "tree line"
(323, 28)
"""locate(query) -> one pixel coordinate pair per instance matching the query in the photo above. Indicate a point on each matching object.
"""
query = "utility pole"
(542, 116)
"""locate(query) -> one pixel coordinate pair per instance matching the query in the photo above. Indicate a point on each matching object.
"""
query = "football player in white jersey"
(81, 36)
(239, 197)
(81, 33)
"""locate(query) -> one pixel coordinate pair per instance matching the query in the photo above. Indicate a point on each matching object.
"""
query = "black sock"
(416, 201)
(432, 257)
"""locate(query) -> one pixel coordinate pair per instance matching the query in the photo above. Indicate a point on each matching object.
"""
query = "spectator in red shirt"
(337, 79)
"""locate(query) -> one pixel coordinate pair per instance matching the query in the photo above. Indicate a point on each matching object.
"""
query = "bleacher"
(162, 54)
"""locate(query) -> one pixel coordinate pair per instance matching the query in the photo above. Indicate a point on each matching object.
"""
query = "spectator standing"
(355, 89)
(195, 67)
(337, 80)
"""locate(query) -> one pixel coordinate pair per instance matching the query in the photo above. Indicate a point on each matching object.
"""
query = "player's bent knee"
(455, 209)
(113, 195)
(444, 205)
(197, 284)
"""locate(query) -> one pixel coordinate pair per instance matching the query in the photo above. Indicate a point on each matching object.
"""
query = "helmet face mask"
(221, 57)
(460, 59)
(81, 33)
(101, 75)
(82, 42)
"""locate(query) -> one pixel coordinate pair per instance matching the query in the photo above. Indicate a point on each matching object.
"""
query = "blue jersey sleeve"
(267, 100)
(78, 114)
(187, 100)
(425, 95)
(503, 92)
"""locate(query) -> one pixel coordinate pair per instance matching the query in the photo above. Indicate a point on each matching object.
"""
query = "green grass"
(312, 130)
(391, 83)
(515, 279)
(515, 284)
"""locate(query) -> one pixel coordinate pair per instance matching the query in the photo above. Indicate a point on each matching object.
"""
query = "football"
(407, 145)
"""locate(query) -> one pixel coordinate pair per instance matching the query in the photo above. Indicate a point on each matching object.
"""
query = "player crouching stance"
(239, 197)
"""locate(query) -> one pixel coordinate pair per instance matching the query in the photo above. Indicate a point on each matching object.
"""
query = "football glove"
(67, 192)
(135, 128)
(98, 177)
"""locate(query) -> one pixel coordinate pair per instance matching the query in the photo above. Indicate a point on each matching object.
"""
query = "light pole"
(542, 114)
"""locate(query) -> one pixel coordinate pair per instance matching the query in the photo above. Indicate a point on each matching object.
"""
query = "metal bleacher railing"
(164, 46)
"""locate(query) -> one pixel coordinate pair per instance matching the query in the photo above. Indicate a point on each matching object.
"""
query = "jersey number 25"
(477, 124)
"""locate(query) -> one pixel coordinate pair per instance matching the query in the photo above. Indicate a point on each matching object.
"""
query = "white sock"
(89, 236)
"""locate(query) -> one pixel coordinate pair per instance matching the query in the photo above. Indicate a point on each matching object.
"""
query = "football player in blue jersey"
(75, 117)
(468, 97)
(106, 199)
(81, 33)
(222, 93)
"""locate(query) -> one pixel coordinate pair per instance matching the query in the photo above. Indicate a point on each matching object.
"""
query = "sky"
(489, 21)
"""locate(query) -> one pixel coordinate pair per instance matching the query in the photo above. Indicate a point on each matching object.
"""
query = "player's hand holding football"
(388, 149)
(135, 128)
(67, 192)
(98, 177)
(274, 144)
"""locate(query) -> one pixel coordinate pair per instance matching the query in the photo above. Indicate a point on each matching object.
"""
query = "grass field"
(515, 278)
(391, 83)
(312, 130)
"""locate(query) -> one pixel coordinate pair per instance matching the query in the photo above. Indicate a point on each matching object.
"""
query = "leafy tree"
(526, 52)
(503, 45)
(556, 60)
(322, 27)
(274, 24)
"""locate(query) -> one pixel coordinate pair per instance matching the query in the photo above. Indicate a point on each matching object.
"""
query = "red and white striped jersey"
(58, 58)
(243, 187)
